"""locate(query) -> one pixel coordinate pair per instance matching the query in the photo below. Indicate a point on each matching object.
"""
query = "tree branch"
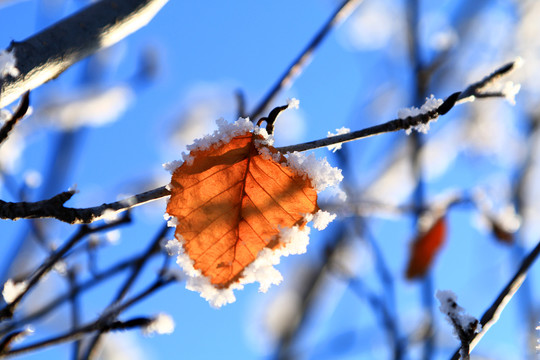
(102, 323)
(81, 288)
(17, 115)
(298, 64)
(469, 94)
(54, 207)
(7, 311)
(47, 54)
(491, 315)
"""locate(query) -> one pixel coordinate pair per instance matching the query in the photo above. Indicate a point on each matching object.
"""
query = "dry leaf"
(230, 203)
(238, 205)
(424, 249)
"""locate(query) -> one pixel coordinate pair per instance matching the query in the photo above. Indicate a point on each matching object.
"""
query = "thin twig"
(469, 94)
(75, 309)
(54, 207)
(101, 323)
(76, 291)
(135, 272)
(492, 314)
(298, 64)
(17, 115)
(9, 309)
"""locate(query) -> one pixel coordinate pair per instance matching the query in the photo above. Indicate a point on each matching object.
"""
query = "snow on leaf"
(238, 206)
(424, 249)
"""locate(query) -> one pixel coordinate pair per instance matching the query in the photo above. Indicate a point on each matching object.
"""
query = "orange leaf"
(230, 202)
(424, 249)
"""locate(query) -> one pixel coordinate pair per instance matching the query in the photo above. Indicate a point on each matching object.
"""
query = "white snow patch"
(127, 200)
(7, 64)
(340, 131)
(224, 133)
(12, 290)
(262, 270)
(431, 104)
(160, 324)
(109, 215)
(172, 247)
(196, 281)
(172, 221)
(321, 174)
(294, 240)
(293, 103)
(60, 267)
(171, 166)
(509, 91)
(268, 155)
(321, 219)
(453, 311)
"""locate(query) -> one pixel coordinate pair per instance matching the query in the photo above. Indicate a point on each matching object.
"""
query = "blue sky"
(205, 52)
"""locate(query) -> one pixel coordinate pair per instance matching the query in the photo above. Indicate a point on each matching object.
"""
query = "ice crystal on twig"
(7, 64)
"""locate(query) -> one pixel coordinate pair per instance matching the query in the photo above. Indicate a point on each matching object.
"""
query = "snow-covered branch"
(54, 207)
(412, 118)
(418, 119)
(490, 317)
(47, 54)
(465, 326)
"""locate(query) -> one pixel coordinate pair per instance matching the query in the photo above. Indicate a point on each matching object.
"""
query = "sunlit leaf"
(230, 202)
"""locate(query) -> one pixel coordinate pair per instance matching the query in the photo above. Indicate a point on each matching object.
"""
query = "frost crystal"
(321, 174)
(61, 268)
(161, 324)
(340, 131)
(12, 290)
(509, 91)
(431, 104)
(225, 132)
(7, 64)
(293, 103)
(321, 219)
(171, 166)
